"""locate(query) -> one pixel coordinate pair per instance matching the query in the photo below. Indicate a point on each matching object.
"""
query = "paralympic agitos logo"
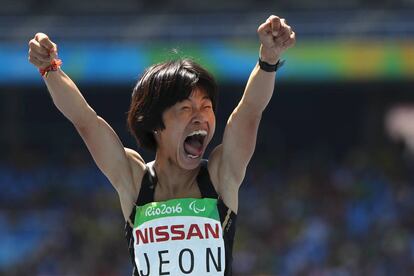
(196, 209)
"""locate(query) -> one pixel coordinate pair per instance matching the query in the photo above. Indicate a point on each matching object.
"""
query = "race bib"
(179, 237)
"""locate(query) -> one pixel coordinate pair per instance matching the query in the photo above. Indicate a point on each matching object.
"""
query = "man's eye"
(208, 107)
(185, 108)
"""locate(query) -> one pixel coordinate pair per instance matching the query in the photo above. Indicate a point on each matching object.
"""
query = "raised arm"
(230, 159)
(111, 157)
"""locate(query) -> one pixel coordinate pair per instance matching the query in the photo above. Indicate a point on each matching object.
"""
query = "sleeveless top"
(186, 236)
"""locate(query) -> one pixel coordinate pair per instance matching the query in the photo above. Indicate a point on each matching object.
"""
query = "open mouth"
(194, 143)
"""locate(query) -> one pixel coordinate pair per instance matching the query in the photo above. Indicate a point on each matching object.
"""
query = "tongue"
(193, 147)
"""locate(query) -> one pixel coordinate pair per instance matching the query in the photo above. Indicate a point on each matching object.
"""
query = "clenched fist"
(276, 36)
(42, 51)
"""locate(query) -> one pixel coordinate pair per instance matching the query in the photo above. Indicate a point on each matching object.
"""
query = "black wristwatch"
(270, 67)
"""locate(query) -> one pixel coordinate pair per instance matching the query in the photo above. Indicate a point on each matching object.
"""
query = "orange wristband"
(54, 65)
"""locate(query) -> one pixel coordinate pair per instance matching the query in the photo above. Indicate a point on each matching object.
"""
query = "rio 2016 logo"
(196, 209)
(163, 209)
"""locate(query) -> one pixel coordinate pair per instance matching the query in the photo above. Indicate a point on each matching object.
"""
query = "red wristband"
(54, 65)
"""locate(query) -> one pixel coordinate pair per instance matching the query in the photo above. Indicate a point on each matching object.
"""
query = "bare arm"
(230, 159)
(111, 157)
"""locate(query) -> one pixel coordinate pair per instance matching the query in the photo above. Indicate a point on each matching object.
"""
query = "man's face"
(189, 127)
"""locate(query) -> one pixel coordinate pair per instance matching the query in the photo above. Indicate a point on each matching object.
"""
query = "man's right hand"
(42, 51)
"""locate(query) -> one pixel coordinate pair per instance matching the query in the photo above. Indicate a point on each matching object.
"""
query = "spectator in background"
(399, 123)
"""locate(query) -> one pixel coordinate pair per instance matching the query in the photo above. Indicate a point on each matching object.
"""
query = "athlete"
(180, 210)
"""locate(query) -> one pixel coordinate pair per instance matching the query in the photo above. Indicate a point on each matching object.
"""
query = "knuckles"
(274, 18)
(41, 36)
(31, 43)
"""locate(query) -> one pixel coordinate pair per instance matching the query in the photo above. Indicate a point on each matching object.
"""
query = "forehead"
(198, 94)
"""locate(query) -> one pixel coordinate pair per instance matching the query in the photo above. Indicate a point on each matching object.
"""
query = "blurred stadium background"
(327, 192)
